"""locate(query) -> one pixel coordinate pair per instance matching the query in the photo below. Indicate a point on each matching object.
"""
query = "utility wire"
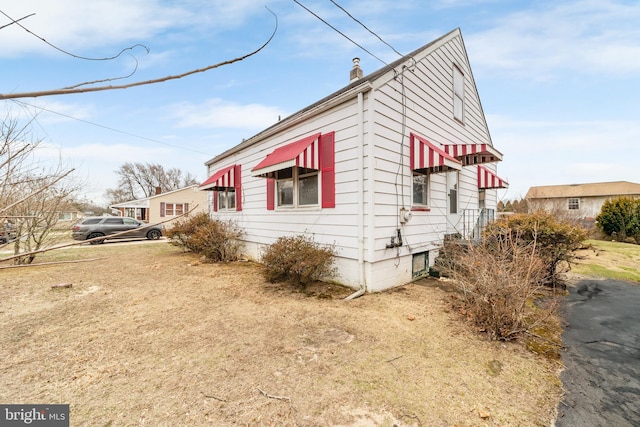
(365, 27)
(338, 31)
(25, 104)
(14, 21)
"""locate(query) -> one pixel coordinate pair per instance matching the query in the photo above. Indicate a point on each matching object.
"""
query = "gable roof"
(361, 85)
(602, 189)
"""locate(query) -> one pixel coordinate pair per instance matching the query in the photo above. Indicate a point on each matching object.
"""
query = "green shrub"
(554, 240)
(620, 218)
(299, 260)
(216, 240)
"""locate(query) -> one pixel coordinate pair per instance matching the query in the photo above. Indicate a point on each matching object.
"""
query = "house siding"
(196, 199)
(373, 178)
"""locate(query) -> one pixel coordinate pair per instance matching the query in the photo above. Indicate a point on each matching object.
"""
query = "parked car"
(8, 233)
(107, 226)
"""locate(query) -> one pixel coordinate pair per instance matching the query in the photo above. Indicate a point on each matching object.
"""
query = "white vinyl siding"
(458, 94)
(383, 172)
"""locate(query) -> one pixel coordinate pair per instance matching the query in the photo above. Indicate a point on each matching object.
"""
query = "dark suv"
(97, 226)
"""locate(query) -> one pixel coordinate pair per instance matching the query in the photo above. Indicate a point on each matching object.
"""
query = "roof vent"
(356, 72)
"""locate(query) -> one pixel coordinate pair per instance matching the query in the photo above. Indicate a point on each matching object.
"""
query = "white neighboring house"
(580, 201)
(384, 168)
(164, 206)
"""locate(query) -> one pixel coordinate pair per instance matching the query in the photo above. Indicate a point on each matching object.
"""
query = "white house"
(384, 168)
(579, 200)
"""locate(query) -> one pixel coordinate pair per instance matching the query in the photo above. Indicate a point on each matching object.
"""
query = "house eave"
(295, 119)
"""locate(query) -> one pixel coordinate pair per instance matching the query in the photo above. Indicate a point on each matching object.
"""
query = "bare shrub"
(499, 281)
(216, 240)
(299, 260)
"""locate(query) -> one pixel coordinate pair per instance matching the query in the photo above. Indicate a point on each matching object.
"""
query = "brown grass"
(151, 336)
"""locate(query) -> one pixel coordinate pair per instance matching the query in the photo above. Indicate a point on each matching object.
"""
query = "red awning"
(425, 155)
(488, 179)
(473, 154)
(302, 153)
(224, 178)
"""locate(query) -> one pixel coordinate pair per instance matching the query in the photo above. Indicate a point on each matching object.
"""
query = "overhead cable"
(338, 31)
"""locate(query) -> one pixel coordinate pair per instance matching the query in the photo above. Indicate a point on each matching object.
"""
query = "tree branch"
(36, 192)
(141, 83)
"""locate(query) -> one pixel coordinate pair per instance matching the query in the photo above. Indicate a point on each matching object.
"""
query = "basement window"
(420, 265)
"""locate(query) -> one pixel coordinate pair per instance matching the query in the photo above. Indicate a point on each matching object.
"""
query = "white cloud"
(556, 152)
(217, 113)
(93, 28)
(586, 36)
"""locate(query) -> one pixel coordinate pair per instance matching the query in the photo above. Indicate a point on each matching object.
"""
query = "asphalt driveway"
(602, 356)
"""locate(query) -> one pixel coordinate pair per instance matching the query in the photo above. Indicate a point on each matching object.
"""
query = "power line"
(365, 27)
(338, 31)
(109, 128)
(15, 21)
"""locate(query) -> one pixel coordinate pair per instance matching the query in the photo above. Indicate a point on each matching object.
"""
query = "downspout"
(361, 248)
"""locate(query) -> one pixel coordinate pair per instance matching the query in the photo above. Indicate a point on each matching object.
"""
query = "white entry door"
(453, 208)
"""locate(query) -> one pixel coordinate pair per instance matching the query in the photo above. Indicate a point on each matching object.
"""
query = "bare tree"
(31, 193)
(139, 180)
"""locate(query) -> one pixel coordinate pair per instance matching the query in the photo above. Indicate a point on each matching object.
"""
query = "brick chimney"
(356, 72)
(158, 190)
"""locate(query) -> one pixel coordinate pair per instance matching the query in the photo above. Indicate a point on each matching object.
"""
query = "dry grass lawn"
(151, 336)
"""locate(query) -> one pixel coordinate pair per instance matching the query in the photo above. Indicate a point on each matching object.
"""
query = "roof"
(602, 189)
(364, 81)
(144, 202)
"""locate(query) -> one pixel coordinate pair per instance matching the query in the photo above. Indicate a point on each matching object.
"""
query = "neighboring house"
(384, 168)
(163, 206)
(69, 215)
(578, 200)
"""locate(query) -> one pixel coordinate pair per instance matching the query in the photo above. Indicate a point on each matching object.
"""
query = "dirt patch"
(151, 336)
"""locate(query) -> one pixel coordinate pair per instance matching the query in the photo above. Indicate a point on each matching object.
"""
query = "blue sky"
(558, 80)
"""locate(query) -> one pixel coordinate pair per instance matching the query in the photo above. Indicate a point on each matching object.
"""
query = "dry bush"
(299, 260)
(499, 281)
(216, 240)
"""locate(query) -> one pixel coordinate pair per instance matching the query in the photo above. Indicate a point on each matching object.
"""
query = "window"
(420, 264)
(297, 187)
(173, 209)
(227, 199)
(574, 204)
(420, 189)
(300, 174)
(113, 221)
(458, 94)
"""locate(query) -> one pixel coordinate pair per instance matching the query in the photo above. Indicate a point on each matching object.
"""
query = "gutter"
(361, 248)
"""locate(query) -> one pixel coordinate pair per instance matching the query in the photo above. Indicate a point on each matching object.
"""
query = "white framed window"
(458, 94)
(297, 187)
(573, 204)
(174, 209)
(420, 190)
(227, 199)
